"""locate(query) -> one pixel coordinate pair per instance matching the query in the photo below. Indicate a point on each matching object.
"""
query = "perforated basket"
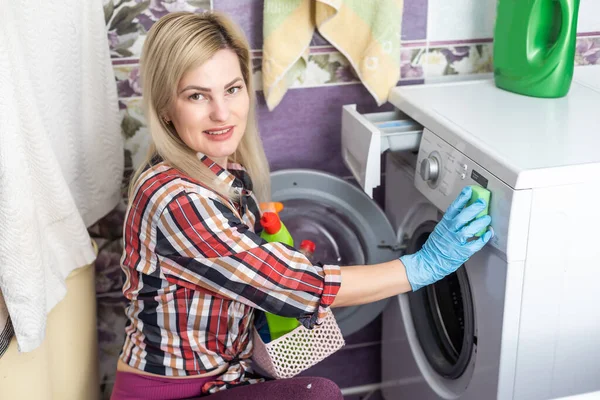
(297, 350)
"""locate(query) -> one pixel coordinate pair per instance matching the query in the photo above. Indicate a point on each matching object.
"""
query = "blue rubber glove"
(447, 248)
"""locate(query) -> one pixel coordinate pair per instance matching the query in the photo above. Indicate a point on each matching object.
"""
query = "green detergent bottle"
(275, 231)
(534, 46)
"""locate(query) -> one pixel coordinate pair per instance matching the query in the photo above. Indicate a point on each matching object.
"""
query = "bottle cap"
(308, 245)
(270, 222)
(271, 206)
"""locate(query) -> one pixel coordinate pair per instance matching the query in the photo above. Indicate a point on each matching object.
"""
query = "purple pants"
(130, 386)
(300, 388)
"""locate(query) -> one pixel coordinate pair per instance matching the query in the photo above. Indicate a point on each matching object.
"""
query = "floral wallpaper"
(588, 51)
(127, 23)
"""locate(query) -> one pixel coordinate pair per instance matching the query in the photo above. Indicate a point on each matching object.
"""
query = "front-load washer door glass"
(443, 316)
(347, 227)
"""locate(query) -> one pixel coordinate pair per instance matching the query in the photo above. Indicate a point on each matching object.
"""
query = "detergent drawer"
(366, 136)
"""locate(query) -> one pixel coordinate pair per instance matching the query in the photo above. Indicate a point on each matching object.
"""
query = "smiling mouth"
(218, 132)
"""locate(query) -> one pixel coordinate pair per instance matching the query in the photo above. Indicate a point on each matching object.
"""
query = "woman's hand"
(448, 246)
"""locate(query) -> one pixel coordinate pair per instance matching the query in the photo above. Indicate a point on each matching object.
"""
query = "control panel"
(443, 171)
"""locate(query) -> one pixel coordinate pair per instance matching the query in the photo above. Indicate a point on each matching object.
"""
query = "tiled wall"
(441, 40)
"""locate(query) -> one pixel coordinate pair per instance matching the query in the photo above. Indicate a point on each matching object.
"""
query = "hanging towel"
(366, 32)
(61, 151)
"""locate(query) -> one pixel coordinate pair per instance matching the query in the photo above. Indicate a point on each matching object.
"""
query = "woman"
(195, 268)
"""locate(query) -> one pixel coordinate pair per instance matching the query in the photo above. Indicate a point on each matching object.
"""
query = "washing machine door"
(443, 317)
(347, 227)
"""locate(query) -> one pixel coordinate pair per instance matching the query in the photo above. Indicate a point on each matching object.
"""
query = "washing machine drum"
(347, 227)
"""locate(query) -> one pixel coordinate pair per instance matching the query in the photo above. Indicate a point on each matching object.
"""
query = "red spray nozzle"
(270, 222)
(308, 246)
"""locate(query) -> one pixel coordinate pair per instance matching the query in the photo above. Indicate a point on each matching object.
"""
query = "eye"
(234, 89)
(196, 96)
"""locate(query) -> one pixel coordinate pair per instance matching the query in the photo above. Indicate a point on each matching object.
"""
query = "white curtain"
(61, 151)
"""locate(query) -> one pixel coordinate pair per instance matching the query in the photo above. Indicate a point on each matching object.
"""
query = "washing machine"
(444, 341)
(520, 319)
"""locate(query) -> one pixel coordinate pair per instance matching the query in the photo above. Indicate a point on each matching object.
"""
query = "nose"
(220, 110)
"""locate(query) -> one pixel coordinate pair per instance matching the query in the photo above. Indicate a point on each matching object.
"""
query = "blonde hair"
(175, 44)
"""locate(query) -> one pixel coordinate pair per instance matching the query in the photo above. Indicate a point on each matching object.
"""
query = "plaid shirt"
(195, 270)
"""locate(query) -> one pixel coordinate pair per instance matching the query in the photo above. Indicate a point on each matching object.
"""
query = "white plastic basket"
(297, 350)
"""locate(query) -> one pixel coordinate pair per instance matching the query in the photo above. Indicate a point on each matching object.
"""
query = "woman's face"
(211, 107)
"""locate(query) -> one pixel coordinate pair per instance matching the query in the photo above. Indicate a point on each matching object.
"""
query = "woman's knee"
(322, 389)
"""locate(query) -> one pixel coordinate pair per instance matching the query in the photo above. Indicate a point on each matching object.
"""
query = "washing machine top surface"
(589, 76)
(526, 142)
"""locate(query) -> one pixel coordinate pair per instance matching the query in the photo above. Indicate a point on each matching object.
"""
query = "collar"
(234, 176)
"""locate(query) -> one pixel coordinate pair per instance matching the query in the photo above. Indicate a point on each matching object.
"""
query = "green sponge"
(479, 192)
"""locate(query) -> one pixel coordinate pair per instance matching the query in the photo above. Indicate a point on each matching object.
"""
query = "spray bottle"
(308, 249)
(275, 231)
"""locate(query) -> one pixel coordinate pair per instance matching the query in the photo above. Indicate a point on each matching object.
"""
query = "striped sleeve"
(203, 244)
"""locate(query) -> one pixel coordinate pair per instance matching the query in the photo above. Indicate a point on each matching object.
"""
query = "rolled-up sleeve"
(202, 244)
